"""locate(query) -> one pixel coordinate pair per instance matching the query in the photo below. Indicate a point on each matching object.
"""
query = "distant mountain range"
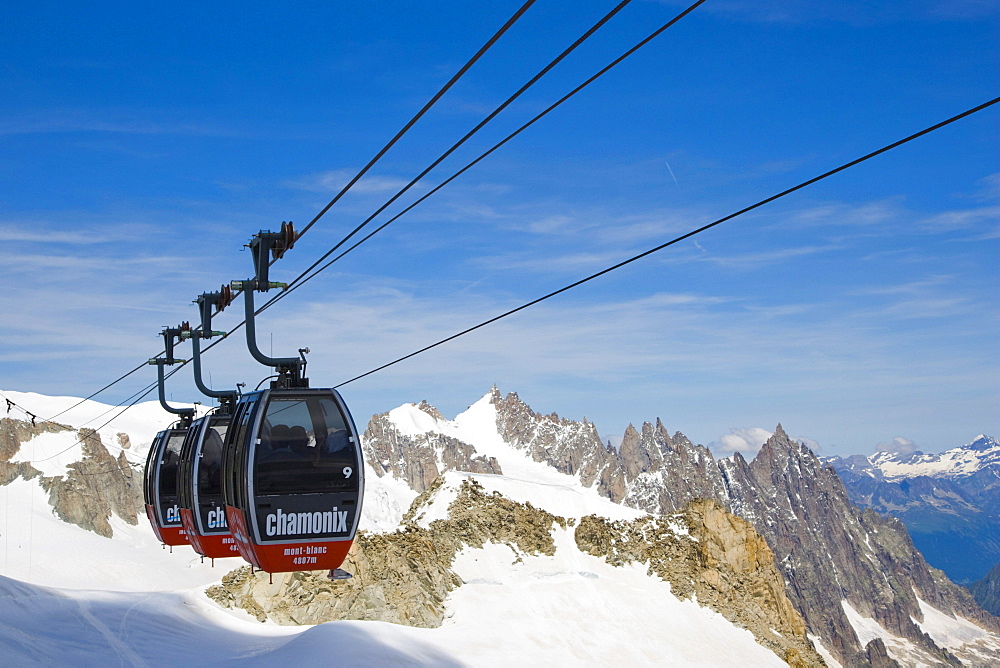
(949, 502)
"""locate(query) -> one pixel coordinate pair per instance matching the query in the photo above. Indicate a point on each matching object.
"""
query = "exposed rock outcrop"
(987, 591)
(401, 577)
(91, 490)
(96, 487)
(12, 434)
(570, 447)
(419, 459)
(827, 549)
(830, 551)
(716, 557)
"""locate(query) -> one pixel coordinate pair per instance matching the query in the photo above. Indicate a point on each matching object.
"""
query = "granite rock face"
(827, 549)
(96, 487)
(987, 591)
(419, 459)
(570, 447)
(93, 489)
(706, 552)
(832, 551)
(401, 577)
(13, 433)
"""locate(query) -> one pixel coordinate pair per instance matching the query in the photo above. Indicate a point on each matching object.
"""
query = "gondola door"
(295, 479)
(160, 487)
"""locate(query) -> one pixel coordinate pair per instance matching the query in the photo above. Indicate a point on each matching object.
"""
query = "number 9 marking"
(348, 471)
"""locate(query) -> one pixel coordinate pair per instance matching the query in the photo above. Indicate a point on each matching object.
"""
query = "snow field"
(71, 597)
(575, 609)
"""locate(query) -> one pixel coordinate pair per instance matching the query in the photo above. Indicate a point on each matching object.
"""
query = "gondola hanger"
(160, 478)
(293, 474)
(199, 475)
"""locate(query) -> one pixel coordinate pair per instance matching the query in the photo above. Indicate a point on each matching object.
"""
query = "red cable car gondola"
(293, 479)
(293, 475)
(159, 486)
(199, 488)
(199, 482)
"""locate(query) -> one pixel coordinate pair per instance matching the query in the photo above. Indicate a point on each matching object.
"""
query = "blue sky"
(141, 145)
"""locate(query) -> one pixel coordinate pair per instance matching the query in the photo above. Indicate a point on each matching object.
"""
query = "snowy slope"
(70, 597)
(953, 633)
(141, 422)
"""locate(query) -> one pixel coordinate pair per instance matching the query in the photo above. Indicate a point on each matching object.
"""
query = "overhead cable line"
(114, 382)
(454, 147)
(142, 396)
(430, 103)
(759, 204)
(301, 279)
(13, 404)
(458, 75)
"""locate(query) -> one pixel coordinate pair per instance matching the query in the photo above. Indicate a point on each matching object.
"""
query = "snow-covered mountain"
(949, 502)
(821, 541)
(69, 595)
(961, 462)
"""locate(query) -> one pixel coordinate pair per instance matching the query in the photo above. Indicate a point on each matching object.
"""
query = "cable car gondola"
(199, 488)
(160, 479)
(199, 480)
(293, 475)
(293, 479)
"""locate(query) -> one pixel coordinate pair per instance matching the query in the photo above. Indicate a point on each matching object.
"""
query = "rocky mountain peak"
(419, 458)
(91, 490)
(430, 410)
(828, 550)
(983, 443)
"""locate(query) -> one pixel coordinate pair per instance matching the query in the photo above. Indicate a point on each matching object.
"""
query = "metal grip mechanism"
(185, 413)
(264, 245)
(206, 301)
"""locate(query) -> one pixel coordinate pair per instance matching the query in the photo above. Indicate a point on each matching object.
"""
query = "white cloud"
(899, 444)
(838, 213)
(810, 443)
(962, 219)
(747, 441)
(750, 261)
(989, 187)
(334, 180)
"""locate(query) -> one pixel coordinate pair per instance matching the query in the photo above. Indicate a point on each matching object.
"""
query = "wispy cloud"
(108, 121)
(832, 214)
(15, 233)
(919, 287)
(989, 188)
(899, 444)
(334, 180)
(963, 219)
(760, 259)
